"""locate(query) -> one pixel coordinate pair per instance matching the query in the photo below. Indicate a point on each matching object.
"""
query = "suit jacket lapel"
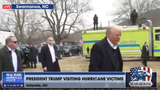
(55, 49)
(50, 52)
(108, 49)
(47, 48)
(18, 60)
(9, 56)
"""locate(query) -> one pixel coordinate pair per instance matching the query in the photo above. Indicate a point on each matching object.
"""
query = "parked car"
(60, 51)
(21, 53)
(76, 50)
(67, 50)
(25, 50)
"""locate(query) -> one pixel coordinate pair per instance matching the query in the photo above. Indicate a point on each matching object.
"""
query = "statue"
(95, 22)
(133, 17)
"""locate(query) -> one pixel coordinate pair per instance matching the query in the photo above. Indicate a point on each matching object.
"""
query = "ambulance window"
(157, 37)
(157, 31)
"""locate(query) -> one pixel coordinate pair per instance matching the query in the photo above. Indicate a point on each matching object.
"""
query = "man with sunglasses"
(10, 59)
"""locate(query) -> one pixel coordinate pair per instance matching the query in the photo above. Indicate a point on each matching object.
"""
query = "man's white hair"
(113, 28)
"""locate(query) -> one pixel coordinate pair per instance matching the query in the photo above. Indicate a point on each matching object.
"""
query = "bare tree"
(20, 17)
(66, 14)
(4, 24)
(34, 26)
(141, 6)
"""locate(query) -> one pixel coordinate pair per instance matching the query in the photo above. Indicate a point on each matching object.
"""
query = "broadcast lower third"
(74, 78)
(27, 6)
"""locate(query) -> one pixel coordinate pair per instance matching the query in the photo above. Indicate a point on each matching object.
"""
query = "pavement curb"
(138, 59)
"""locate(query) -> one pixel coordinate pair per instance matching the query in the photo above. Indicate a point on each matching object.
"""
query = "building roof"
(73, 37)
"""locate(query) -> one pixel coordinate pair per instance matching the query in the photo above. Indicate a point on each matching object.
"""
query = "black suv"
(76, 50)
(67, 50)
(21, 53)
(60, 51)
(25, 51)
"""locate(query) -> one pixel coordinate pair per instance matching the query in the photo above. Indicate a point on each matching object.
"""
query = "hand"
(45, 68)
(1, 83)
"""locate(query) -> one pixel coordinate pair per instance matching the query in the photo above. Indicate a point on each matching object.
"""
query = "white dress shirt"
(14, 59)
(146, 48)
(52, 51)
(111, 44)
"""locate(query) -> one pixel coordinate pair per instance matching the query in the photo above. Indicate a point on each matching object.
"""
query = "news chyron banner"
(138, 77)
(27, 6)
(63, 80)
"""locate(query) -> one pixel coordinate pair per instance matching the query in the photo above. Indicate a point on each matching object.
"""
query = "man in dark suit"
(10, 59)
(145, 54)
(33, 56)
(105, 54)
(49, 56)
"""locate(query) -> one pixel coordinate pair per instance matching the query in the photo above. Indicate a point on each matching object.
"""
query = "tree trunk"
(57, 40)
(21, 34)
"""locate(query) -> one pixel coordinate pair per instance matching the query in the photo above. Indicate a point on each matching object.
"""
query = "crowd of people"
(29, 54)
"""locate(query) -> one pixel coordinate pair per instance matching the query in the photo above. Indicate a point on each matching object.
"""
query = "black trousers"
(33, 62)
(133, 22)
(145, 61)
(54, 67)
(26, 61)
(39, 57)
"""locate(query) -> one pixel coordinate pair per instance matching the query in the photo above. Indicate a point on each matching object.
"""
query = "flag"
(81, 41)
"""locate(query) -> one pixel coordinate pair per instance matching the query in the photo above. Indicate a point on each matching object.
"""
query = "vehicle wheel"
(87, 57)
(70, 54)
(60, 56)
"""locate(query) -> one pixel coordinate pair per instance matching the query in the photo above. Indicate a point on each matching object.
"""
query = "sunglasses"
(14, 41)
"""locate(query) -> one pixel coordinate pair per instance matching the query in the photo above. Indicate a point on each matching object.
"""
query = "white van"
(3, 35)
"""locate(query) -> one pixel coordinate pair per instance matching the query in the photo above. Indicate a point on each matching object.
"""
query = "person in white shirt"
(105, 54)
(10, 59)
(145, 54)
(48, 56)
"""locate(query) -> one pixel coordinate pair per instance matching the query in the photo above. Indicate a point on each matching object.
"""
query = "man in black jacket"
(49, 55)
(105, 54)
(10, 59)
(134, 16)
(145, 54)
(33, 56)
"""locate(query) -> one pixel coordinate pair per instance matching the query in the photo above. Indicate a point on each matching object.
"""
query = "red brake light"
(144, 28)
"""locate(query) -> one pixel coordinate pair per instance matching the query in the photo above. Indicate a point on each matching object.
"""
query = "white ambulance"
(3, 35)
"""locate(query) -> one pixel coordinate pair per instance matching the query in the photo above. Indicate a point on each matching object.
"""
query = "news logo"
(12, 79)
(141, 77)
(6, 6)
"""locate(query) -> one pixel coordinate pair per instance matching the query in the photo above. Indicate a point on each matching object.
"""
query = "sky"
(103, 8)
(1, 6)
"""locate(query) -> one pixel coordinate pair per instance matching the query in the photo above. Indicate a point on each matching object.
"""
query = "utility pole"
(108, 23)
(101, 25)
